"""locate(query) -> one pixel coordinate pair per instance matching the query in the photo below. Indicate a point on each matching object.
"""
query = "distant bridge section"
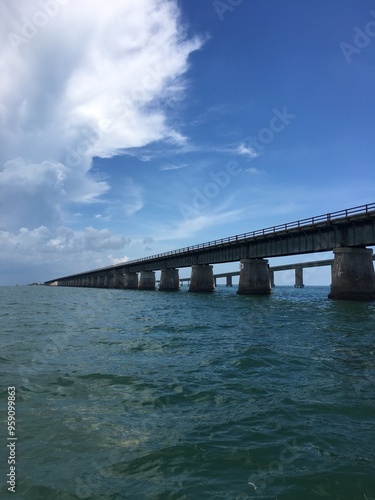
(350, 228)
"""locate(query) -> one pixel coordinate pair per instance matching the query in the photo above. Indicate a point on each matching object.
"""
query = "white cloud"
(193, 226)
(44, 246)
(247, 151)
(115, 260)
(173, 167)
(80, 79)
(131, 197)
(70, 98)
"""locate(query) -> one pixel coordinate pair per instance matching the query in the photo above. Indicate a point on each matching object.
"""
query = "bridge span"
(346, 233)
(298, 268)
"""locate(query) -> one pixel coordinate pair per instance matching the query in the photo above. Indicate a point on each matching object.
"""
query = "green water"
(152, 395)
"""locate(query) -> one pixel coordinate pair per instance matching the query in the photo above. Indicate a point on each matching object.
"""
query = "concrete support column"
(95, 281)
(147, 281)
(254, 277)
(169, 280)
(272, 277)
(118, 280)
(202, 279)
(109, 281)
(353, 276)
(229, 280)
(106, 281)
(130, 281)
(298, 283)
(112, 281)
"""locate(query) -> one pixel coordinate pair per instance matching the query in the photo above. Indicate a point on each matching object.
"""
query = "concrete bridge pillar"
(298, 283)
(254, 277)
(202, 279)
(272, 277)
(147, 281)
(114, 280)
(109, 281)
(130, 281)
(169, 280)
(229, 280)
(353, 276)
(118, 280)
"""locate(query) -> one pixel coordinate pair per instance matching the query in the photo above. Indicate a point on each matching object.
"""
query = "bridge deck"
(350, 227)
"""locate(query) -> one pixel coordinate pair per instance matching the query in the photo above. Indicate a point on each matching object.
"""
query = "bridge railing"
(342, 215)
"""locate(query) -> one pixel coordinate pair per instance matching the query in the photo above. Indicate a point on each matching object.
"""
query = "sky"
(134, 128)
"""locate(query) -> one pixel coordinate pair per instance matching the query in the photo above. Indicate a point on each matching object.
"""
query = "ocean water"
(156, 395)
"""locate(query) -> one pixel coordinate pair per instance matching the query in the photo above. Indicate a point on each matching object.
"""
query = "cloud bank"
(80, 79)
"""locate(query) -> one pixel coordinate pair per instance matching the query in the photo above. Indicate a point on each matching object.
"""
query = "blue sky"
(160, 124)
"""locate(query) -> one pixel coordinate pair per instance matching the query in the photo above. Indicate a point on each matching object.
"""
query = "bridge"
(297, 267)
(346, 232)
